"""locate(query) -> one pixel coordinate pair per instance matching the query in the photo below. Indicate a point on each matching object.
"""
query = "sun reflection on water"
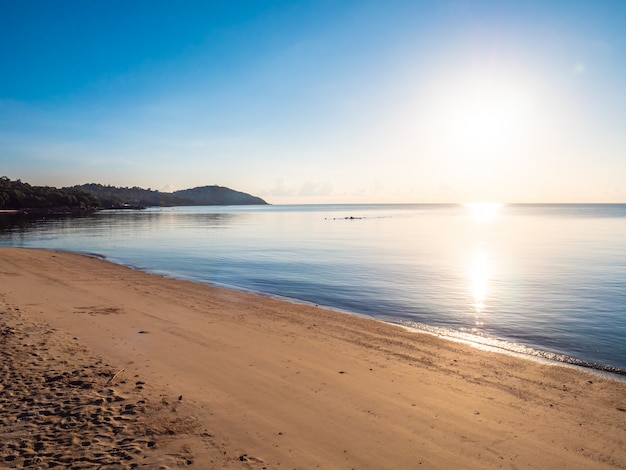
(479, 269)
(479, 277)
(483, 212)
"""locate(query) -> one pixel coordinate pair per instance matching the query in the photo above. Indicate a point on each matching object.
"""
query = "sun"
(483, 115)
(476, 126)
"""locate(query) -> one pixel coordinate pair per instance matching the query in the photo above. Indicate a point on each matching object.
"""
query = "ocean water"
(544, 280)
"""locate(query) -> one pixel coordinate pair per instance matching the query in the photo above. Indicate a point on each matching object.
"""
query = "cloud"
(445, 193)
(375, 189)
(314, 188)
(281, 189)
(168, 188)
(309, 188)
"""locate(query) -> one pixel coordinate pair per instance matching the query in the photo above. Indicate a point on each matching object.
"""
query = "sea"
(542, 280)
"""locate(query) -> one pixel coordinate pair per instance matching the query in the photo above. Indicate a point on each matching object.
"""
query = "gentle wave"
(498, 345)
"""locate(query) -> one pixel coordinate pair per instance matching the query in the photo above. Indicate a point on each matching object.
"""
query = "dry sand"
(108, 367)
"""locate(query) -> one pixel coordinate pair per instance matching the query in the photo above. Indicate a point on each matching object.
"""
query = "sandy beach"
(109, 367)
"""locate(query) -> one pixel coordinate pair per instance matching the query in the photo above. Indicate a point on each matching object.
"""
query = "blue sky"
(319, 101)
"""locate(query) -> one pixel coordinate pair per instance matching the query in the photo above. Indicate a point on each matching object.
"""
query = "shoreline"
(486, 343)
(212, 377)
(521, 351)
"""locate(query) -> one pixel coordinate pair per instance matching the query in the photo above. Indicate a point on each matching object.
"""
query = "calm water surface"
(548, 280)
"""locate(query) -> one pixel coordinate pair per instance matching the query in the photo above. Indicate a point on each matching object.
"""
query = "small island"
(19, 197)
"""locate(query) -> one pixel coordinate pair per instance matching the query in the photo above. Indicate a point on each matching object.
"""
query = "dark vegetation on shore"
(16, 195)
(21, 196)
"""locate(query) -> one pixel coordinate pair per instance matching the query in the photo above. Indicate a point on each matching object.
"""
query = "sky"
(321, 101)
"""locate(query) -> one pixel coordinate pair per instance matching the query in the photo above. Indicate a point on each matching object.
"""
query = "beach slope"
(109, 366)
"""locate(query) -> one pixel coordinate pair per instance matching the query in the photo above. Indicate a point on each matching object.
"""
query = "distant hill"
(216, 196)
(16, 195)
(111, 196)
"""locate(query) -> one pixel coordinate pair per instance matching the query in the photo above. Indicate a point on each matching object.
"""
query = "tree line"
(19, 195)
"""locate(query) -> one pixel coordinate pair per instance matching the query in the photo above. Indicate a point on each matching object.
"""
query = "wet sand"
(105, 366)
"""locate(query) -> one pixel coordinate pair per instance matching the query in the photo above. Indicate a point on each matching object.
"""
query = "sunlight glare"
(488, 115)
(484, 114)
(479, 276)
(483, 212)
